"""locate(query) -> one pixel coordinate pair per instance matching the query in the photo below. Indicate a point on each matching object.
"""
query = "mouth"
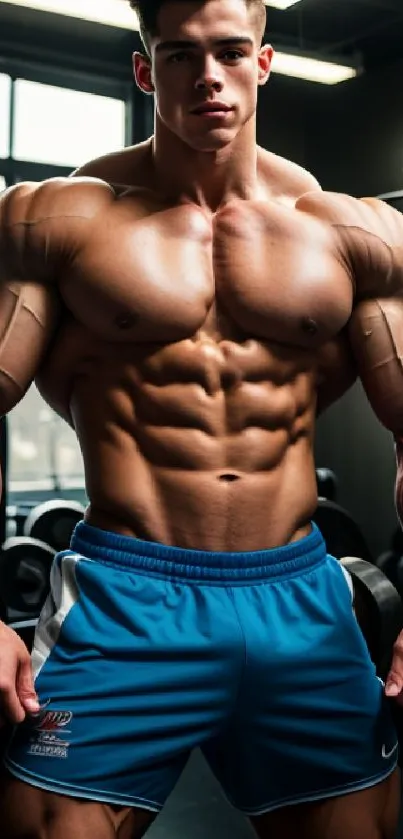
(212, 109)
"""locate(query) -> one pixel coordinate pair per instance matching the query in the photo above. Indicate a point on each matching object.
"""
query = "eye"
(232, 55)
(178, 57)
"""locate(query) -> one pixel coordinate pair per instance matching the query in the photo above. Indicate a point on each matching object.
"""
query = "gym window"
(64, 127)
(5, 101)
(50, 123)
(43, 451)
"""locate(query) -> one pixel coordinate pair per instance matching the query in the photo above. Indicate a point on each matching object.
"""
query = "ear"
(143, 72)
(265, 61)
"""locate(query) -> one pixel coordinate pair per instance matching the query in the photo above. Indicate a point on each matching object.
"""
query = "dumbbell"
(340, 531)
(379, 611)
(378, 608)
(391, 564)
(15, 517)
(53, 522)
(327, 483)
(25, 565)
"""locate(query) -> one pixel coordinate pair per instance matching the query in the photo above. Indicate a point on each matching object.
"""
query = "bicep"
(376, 336)
(29, 315)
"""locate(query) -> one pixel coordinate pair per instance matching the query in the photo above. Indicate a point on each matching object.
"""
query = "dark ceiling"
(372, 29)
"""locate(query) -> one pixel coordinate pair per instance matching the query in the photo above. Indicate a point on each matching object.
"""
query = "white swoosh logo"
(386, 754)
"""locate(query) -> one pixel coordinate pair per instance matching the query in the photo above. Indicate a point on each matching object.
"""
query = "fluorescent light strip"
(109, 12)
(118, 13)
(311, 69)
(281, 4)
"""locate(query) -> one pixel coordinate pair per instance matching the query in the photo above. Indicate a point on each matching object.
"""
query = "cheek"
(169, 93)
(246, 83)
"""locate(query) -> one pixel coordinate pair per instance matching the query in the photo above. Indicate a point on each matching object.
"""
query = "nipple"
(310, 326)
(125, 321)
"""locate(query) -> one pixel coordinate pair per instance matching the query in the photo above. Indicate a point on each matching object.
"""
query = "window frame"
(15, 171)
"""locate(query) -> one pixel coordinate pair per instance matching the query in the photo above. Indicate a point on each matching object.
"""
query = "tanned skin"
(188, 306)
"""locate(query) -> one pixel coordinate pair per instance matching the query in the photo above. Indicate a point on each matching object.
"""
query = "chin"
(212, 142)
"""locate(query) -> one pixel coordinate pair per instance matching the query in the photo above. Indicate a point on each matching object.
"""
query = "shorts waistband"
(205, 566)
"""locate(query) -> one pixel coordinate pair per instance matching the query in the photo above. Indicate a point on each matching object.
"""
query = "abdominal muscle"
(196, 448)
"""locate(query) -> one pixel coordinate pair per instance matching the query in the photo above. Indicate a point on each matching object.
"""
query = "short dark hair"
(148, 11)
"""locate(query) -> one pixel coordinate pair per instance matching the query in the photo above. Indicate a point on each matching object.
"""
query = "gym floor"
(197, 809)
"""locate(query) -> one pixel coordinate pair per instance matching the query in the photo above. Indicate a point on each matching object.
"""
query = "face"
(205, 70)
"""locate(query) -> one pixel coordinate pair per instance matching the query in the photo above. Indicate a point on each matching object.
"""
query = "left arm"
(376, 336)
(369, 236)
(368, 241)
(376, 324)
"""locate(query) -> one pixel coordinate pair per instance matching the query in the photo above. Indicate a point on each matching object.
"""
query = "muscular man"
(189, 324)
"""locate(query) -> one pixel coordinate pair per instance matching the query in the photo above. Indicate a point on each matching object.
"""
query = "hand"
(17, 692)
(394, 681)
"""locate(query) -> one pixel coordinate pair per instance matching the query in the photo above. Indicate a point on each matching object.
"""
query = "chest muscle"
(271, 272)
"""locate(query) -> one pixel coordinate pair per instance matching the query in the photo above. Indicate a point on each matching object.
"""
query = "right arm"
(29, 312)
(29, 305)
(41, 229)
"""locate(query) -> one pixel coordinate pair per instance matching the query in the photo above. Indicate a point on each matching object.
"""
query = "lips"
(211, 108)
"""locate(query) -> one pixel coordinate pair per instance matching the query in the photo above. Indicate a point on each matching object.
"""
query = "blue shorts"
(144, 652)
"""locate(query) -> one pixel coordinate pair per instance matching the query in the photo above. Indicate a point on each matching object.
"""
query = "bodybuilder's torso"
(189, 362)
(195, 348)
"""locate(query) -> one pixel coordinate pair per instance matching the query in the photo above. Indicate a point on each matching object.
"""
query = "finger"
(25, 687)
(393, 688)
(394, 681)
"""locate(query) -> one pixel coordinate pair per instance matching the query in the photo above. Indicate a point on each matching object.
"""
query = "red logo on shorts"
(54, 720)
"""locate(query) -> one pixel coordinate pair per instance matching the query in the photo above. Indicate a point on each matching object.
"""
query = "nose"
(209, 78)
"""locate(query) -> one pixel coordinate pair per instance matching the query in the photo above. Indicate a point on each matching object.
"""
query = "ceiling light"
(110, 12)
(119, 14)
(281, 4)
(312, 69)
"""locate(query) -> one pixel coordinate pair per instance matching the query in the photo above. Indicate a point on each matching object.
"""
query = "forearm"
(376, 334)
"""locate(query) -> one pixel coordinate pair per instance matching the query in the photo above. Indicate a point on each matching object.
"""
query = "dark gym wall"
(362, 130)
(359, 149)
(351, 138)
(285, 106)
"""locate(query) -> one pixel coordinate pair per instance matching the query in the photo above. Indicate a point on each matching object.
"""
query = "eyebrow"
(167, 46)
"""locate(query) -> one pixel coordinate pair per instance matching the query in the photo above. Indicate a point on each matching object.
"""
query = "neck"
(209, 179)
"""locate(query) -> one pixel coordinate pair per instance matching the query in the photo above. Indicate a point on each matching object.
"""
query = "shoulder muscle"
(40, 223)
(369, 234)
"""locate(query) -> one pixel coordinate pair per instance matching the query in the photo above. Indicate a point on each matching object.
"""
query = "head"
(198, 53)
